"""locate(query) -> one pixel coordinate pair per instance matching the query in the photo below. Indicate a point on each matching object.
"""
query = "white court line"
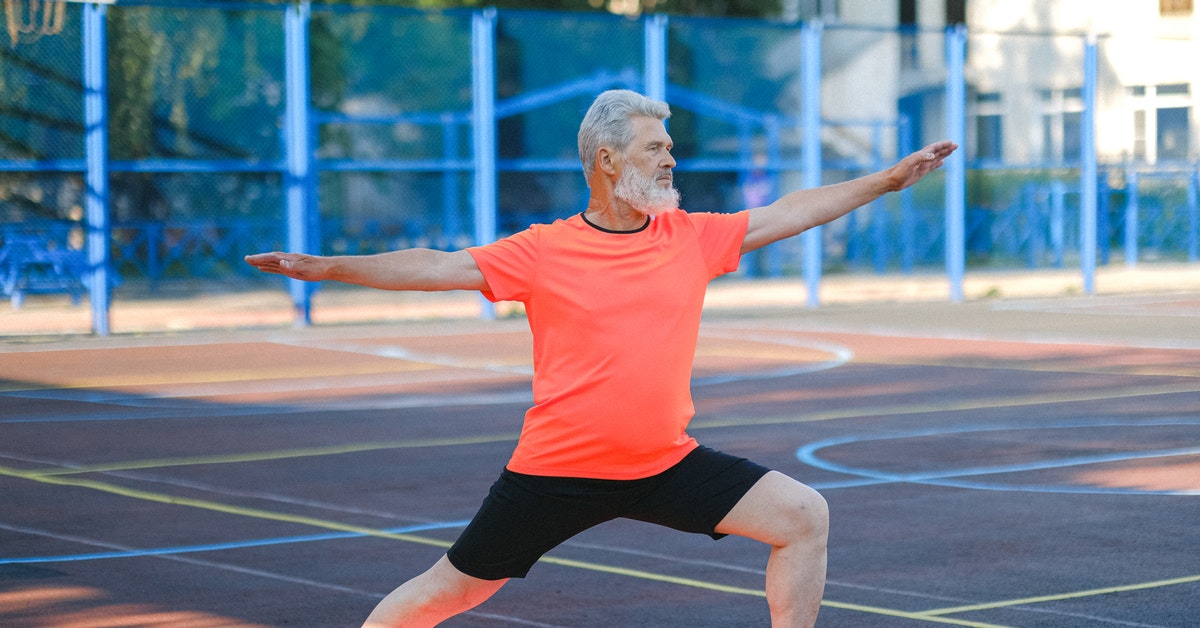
(949, 477)
(840, 355)
(401, 353)
(253, 572)
(948, 333)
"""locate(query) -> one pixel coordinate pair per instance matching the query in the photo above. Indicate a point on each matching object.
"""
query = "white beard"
(644, 193)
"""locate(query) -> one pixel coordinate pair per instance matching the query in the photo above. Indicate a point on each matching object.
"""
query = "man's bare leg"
(794, 520)
(432, 597)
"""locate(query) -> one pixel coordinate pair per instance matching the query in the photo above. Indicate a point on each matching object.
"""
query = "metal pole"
(1193, 205)
(483, 127)
(1131, 217)
(908, 217)
(1058, 194)
(810, 115)
(451, 225)
(655, 72)
(95, 113)
(1088, 169)
(297, 132)
(956, 170)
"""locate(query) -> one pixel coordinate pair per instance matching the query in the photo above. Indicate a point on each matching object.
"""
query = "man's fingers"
(940, 150)
(261, 258)
(270, 262)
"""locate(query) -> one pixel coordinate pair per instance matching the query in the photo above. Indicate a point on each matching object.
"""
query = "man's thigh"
(698, 492)
(522, 518)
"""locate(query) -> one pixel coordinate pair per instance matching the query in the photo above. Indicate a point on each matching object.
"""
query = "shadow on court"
(984, 467)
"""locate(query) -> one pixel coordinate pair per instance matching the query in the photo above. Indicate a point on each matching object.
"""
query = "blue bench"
(38, 262)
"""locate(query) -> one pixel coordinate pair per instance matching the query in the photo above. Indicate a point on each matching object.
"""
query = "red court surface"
(995, 463)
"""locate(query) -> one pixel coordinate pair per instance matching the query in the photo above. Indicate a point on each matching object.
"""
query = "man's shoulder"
(574, 221)
(702, 217)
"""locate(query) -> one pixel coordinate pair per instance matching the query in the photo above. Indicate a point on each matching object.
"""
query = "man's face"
(646, 182)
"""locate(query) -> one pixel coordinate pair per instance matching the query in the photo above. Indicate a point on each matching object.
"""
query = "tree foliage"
(704, 8)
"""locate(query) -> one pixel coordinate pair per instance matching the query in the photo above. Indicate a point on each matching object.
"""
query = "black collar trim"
(599, 228)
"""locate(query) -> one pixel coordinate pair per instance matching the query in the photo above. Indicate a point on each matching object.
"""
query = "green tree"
(703, 8)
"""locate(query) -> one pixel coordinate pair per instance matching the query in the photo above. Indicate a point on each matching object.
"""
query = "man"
(613, 298)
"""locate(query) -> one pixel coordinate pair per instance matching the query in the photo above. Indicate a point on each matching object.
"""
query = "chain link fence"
(196, 144)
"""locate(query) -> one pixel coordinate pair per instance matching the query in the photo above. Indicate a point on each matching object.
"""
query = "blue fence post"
(298, 135)
(879, 215)
(956, 170)
(1034, 247)
(810, 114)
(1058, 198)
(451, 225)
(483, 128)
(1193, 191)
(1088, 169)
(654, 74)
(908, 218)
(1131, 217)
(1103, 220)
(95, 113)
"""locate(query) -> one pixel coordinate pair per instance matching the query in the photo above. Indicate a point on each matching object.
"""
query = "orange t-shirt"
(615, 317)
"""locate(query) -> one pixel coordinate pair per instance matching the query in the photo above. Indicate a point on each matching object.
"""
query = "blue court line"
(870, 477)
(214, 547)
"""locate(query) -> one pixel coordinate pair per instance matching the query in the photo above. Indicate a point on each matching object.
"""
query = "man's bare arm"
(799, 211)
(409, 269)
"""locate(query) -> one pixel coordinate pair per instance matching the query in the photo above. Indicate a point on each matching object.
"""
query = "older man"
(613, 297)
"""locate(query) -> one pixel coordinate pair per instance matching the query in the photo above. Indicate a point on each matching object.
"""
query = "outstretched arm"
(802, 210)
(409, 269)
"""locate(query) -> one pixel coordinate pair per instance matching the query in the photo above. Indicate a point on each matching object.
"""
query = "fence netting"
(196, 99)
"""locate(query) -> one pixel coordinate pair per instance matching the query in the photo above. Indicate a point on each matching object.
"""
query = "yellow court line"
(959, 406)
(723, 588)
(1000, 402)
(282, 454)
(257, 513)
(203, 504)
(1062, 596)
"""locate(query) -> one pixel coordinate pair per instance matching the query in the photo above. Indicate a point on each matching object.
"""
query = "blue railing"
(280, 195)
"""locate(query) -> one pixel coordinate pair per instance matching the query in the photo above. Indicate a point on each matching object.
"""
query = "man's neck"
(614, 216)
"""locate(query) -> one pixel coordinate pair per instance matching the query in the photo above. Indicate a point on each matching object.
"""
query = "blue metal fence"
(152, 141)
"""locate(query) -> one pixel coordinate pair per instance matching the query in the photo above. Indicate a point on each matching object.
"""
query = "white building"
(1024, 73)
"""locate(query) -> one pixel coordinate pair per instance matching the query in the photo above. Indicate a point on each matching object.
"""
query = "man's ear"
(607, 160)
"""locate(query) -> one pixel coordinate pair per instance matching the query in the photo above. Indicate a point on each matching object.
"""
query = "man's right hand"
(294, 265)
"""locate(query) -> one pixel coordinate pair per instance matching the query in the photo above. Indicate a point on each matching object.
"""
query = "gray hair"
(607, 123)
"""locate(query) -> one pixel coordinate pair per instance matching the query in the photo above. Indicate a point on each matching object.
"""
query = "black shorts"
(525, 516)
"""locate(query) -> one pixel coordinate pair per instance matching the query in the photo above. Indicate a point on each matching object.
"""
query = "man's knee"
(779, 510)
(447, 585)
(808, 512)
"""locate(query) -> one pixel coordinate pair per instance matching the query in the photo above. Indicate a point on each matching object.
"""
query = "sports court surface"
(996, 463)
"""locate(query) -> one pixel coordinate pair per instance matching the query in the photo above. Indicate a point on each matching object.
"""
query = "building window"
(1161, 122)
(1173, 132)
(956, 12)
(909, 48)
(826, 10)
(1174, 8)
(1174, 89)
(1062, 119)
(989, 128)
(1139, 135)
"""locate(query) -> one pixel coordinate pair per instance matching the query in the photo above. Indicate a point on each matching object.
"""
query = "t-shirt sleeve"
(721, 237)
(508, 265)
